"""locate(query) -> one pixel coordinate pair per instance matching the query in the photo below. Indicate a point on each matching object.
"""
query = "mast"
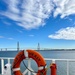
(18, 46)
(38, 47)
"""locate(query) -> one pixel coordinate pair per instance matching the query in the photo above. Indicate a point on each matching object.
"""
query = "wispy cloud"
(20, 31)
(6, 23)
(64, 7)
(7, 38)
(31, 35)
(10, 38)
(74, 23)
(28, 13)
(1, 36)
(65, 33)
(32, 14)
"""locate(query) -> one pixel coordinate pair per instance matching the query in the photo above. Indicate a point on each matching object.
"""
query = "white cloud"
(65, 33)
(6, 23)
(74, 23)
(28, 13)
(20, 31)
(64, 8)
(31, 35)
(31, 14)
(1, 36)
(10, 38)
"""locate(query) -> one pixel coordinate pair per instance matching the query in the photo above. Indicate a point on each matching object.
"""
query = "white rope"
(41, 67)
(16, 69)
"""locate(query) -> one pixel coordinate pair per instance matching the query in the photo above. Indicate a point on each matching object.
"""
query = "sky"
(51, 23)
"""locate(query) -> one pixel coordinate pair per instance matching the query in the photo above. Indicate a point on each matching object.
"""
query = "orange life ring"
(29, 54)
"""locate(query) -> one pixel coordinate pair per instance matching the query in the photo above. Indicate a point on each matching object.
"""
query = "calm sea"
(61, 65)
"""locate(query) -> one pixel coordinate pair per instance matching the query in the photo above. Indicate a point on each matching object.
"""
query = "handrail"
(47, 59)
(60, 59)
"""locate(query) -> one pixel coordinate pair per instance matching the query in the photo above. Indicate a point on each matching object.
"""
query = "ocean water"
(61, 65)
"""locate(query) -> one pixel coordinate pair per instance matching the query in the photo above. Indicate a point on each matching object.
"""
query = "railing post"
(8, 60)
(2, 65)
(67, 67)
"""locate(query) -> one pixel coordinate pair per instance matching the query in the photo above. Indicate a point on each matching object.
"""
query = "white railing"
(64, 60)
(29, 64)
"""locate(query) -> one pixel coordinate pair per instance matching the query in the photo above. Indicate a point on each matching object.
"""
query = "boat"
(7, 70)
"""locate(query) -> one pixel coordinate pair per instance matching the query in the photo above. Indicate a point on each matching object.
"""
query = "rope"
(45, 70)
(28, 68)
(42, 73)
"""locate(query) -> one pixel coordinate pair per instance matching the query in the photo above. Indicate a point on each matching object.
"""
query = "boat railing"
(2, 63)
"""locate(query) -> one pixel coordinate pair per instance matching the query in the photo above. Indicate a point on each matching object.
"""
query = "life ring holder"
(36, 56)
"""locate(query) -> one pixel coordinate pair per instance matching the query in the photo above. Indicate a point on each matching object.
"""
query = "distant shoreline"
(45, 50)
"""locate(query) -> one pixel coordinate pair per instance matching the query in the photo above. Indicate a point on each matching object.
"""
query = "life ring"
(41, 63)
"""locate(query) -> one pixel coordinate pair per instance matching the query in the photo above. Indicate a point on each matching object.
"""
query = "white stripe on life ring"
(41, 67)
(25, 53)
(16, 69)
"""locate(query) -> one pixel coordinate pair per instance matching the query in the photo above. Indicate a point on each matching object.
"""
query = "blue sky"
(48, 22)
